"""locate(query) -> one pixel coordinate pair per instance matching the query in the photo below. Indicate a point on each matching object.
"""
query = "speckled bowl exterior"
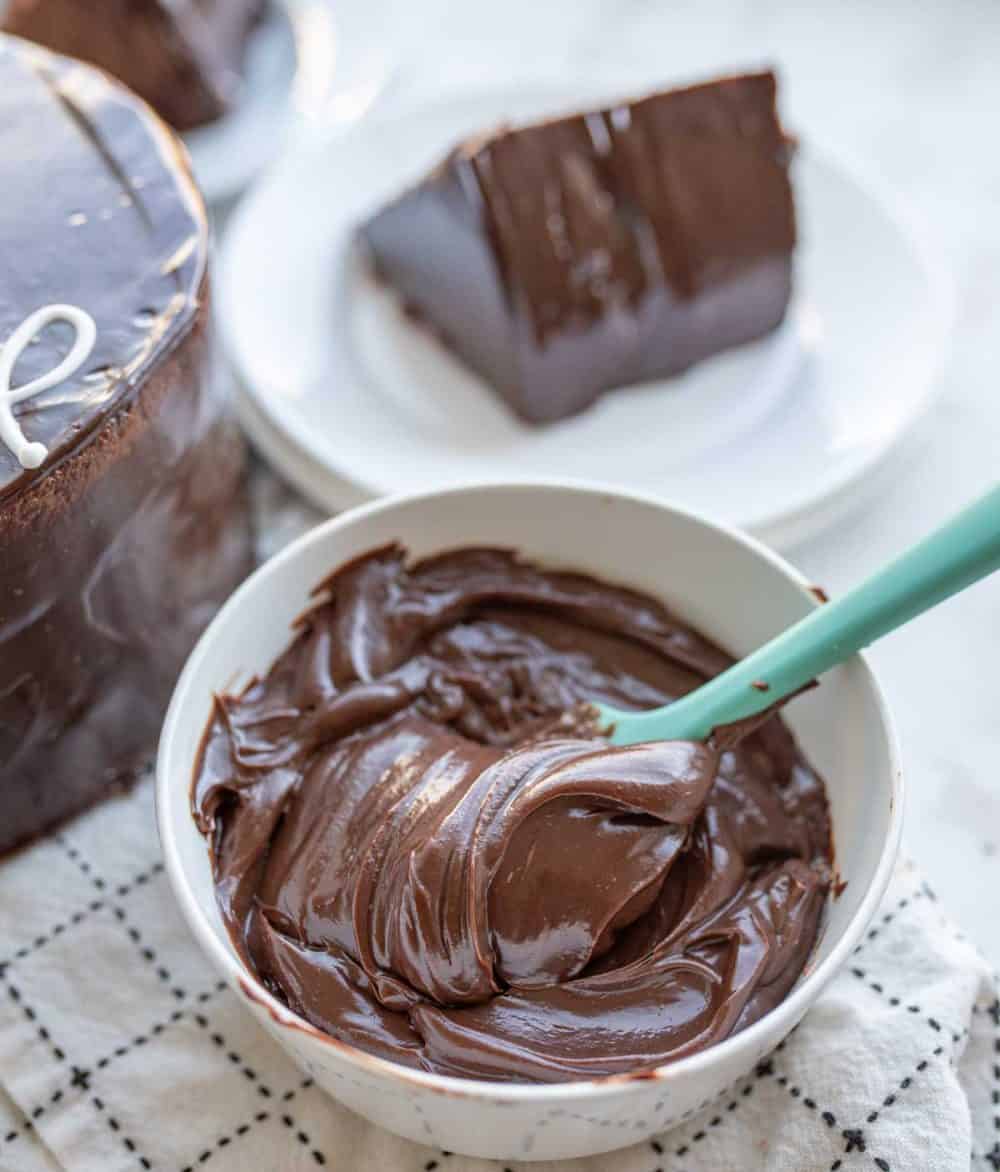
(731, 587)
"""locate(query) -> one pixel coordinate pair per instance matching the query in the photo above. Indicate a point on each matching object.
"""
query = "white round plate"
(351, 399)
(292, 74)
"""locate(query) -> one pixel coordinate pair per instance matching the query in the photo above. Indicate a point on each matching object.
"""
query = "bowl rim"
(790, 1010)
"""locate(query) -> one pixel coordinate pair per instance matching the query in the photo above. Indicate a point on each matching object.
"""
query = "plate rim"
(313, 28)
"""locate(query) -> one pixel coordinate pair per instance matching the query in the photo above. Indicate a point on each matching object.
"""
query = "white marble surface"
(912, 89)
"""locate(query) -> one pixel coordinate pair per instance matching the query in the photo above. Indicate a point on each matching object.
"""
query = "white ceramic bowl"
(728, 585)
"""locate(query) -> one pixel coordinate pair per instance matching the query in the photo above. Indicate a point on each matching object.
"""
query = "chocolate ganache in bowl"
(422, 845)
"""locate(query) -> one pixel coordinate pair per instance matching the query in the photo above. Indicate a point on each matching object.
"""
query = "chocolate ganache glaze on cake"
(184, 57)
(422, 846)
(564, 258)
(123, 512)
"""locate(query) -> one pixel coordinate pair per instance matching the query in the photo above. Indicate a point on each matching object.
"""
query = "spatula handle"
(961, 552)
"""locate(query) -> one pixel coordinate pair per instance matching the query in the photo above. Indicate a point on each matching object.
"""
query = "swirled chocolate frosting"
(422, 845)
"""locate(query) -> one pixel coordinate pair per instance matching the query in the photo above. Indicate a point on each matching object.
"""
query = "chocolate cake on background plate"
(185, 57)
(611, 247)
(123, 514)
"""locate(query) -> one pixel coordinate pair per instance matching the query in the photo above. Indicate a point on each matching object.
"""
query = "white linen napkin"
(121, 1049)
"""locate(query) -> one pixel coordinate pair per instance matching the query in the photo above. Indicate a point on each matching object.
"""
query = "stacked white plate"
(306, 68)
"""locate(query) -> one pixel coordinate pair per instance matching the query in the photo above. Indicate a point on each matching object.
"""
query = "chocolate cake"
(606, 248)
(184, 57)
(123, 514)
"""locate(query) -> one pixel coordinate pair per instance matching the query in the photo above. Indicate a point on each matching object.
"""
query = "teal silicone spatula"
(961, 552)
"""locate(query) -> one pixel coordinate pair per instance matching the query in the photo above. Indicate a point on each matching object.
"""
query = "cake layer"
(184, 57)
(606, 248)
(117, 548)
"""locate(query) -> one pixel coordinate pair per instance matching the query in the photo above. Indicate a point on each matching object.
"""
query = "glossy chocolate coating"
(420, 844)
(184, 57)
(608, 248)
(116, 551)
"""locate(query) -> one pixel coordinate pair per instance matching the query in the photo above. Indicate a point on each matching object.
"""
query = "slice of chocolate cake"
(123, 513)
(184, 57)
(568, 257)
